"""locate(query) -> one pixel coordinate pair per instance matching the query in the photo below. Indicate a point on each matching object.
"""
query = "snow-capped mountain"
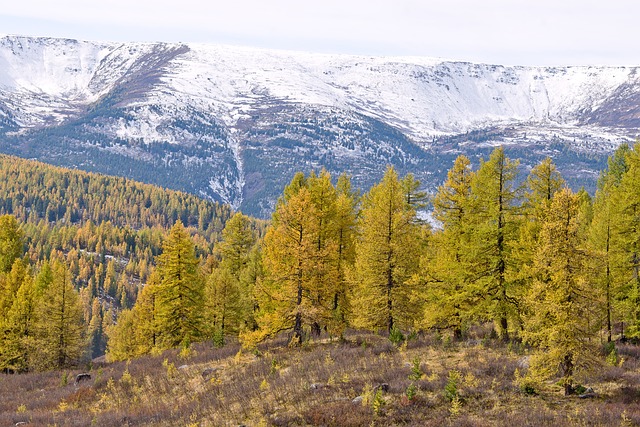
(234, 124)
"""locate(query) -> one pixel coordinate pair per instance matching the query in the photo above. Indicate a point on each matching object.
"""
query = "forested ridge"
(549, 268)
(92, 235)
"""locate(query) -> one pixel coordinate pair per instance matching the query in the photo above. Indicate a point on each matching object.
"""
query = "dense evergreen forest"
(87, 264)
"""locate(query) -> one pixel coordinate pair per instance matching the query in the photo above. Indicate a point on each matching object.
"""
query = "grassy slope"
(275, 388)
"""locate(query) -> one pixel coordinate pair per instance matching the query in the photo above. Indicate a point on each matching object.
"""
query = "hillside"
(34, 191)
(325, 384)
(233, 124)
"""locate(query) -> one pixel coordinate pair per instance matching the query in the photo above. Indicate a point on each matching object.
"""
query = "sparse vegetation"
(471, 383)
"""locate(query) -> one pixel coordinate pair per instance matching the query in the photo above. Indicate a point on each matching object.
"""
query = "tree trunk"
(568, 374)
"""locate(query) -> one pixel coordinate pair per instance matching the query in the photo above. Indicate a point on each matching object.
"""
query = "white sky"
(509, 32)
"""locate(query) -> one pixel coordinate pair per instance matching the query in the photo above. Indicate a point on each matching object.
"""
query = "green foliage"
(386, 254)
(612, 354)
(180, 291)
(10, 242)
(396, 336)
(411, 391)
(451, 387)
(416, 370)
(378, 403)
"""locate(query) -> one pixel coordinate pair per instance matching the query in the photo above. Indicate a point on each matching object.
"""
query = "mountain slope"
(233, 124)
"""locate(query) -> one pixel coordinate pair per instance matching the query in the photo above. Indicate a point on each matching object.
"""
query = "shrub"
(378, 402)
(396, 336)
(451, 388)
(416, 371)
(411, 392)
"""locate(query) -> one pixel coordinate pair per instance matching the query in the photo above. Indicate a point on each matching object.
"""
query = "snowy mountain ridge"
(219, 115)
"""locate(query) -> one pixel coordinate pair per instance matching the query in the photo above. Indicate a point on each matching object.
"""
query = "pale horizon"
(503, 32)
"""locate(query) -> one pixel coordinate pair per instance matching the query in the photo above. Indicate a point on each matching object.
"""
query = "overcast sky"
(509, 32)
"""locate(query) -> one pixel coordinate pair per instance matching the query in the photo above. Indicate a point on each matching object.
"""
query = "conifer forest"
(102, 268)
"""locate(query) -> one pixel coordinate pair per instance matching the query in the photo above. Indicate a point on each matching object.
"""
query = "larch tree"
(18, 338)
(10, 242)
(136, 331)
(346, 217)
(305, 251)
(179, 296)
(449, 302)
(60, 328)
(626, 234)
(602, 240)
(122, 343)
(494, 220)
(324, 271)
(224, 306)
(415, 197)
(559, 322)
(543, 182)
(229, 302)
(386, 258)
(10, 252)
(286, 296)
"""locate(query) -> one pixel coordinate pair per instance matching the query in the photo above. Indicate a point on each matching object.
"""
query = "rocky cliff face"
(233, 124)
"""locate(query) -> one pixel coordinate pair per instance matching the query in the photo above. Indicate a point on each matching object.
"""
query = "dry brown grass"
(316, 386)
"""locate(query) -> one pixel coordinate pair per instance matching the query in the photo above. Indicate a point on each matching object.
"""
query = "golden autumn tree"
(386, 257)
(626, 239)
(495, 221)
(179, 296)
(449, 301)
(60, 329)
(229, 301)
(559, 319)
(305, 252)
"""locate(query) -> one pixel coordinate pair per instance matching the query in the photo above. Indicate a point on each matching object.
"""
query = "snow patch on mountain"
(238, 120)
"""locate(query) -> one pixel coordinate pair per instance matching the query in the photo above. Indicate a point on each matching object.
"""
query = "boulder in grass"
(82, 378)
